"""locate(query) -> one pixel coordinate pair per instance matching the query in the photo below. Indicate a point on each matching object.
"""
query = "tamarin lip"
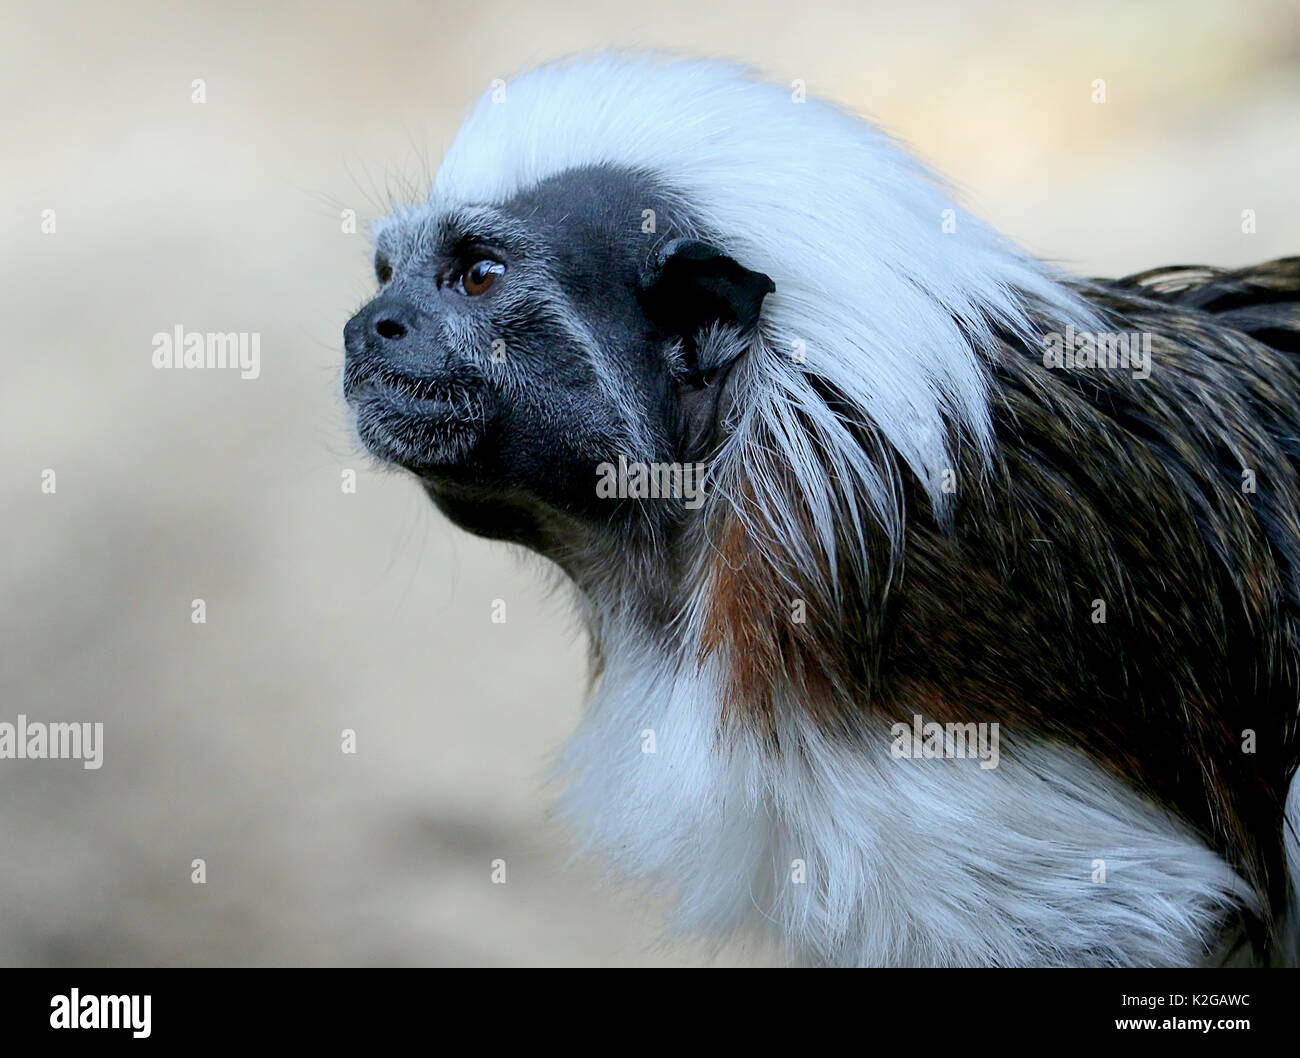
(418, 395)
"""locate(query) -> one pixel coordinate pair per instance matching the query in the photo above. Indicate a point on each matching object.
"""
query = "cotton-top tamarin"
(958, 599)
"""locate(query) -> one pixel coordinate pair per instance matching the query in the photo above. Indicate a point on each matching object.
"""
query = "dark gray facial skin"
(582, 349)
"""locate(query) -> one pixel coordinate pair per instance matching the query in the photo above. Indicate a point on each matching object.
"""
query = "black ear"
(690, 285)
(688, 289)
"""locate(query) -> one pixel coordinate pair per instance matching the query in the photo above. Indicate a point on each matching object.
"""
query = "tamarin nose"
(393, 331)
(391, 319)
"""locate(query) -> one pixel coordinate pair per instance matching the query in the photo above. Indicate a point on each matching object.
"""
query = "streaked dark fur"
(1104, 487)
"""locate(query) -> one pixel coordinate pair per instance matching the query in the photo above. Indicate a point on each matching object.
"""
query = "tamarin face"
(514, 348)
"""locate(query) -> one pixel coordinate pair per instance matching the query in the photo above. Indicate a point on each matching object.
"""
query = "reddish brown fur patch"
(750, 624)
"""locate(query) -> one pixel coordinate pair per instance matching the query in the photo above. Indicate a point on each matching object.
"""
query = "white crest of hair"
(1044, 860)
(871, 289)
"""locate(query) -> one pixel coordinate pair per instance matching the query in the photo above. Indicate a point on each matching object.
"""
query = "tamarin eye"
(479, 276)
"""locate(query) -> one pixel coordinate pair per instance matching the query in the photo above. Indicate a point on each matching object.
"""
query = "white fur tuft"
(1044, 860)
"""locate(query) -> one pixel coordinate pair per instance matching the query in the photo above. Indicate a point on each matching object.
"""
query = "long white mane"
(885, 286)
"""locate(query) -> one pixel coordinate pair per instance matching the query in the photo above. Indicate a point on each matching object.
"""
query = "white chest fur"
(856, 857)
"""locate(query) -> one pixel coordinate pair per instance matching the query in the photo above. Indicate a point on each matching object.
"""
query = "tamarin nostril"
(390, 329)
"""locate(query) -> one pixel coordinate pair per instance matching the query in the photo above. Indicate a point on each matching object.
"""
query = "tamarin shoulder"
(1125, 576)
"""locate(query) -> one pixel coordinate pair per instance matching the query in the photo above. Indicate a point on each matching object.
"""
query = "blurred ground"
(329, 611)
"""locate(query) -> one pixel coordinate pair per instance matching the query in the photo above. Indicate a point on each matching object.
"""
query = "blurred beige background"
(328, 611)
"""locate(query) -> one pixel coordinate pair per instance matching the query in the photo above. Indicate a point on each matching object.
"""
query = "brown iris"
(480, 276)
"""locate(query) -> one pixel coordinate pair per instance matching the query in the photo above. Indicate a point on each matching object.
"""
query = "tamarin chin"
(960, 596)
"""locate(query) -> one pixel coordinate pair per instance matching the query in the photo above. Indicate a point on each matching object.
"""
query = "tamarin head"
(515, 347)
(664, 262)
